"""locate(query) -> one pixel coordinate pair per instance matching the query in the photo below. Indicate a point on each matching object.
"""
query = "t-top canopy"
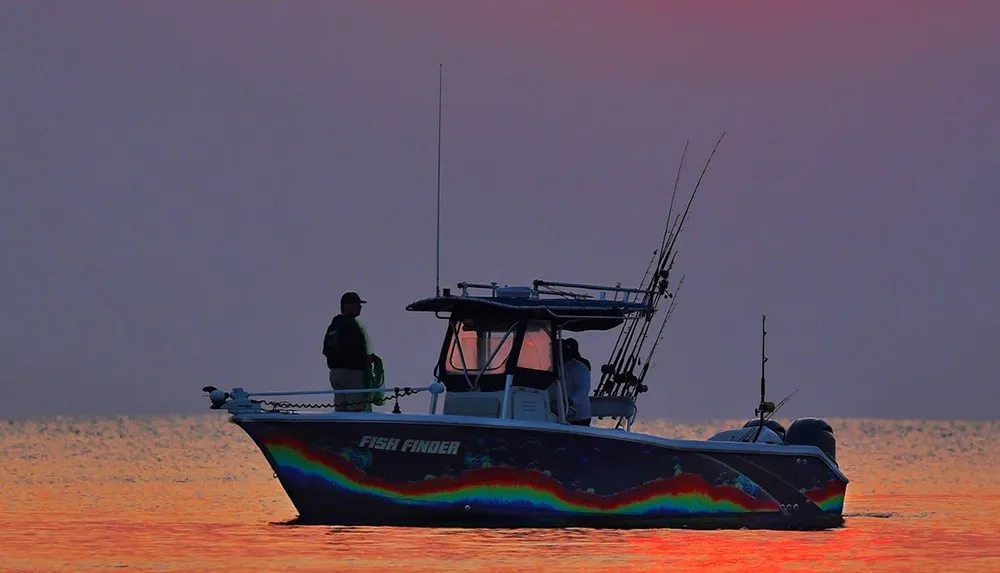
(574, 315)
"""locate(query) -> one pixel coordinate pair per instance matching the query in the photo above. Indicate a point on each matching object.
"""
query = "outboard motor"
(773, 425)
(812, 432)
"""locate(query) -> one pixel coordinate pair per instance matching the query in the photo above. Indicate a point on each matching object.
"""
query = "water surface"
(193, 493)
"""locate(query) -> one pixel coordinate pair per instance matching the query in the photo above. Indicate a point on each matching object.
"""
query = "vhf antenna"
(437, 278)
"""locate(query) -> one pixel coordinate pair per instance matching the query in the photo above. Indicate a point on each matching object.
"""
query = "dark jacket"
(344, 344)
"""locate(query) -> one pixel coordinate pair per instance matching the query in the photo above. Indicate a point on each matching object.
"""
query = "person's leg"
(355, 380)
(343, 379)
(337, 383)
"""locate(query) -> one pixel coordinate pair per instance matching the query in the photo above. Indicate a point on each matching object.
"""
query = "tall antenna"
(437, 278)
(765, 407)
(763, 358)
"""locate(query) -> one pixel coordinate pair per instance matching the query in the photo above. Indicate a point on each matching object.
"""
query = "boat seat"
(530, 404)
(612, 407)
(481, 404)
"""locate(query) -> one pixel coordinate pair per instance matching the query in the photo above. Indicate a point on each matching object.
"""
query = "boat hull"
(386, 470)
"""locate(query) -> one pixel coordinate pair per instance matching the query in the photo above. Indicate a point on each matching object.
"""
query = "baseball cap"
(570, 347)
(351, 298)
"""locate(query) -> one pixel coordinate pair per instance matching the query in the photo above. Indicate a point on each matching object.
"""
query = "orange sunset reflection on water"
(193, 493)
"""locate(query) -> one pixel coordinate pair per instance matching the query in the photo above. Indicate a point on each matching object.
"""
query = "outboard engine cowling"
(774, 425)
(812, 432)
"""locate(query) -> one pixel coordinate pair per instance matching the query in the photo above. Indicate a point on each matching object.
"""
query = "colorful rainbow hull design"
(386, 471)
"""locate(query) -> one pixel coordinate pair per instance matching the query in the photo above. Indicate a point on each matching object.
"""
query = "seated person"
(576, 377)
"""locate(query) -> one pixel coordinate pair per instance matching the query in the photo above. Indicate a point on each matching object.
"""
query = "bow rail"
(238, 400)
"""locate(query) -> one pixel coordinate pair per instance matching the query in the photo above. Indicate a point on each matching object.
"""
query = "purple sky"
(186, 188)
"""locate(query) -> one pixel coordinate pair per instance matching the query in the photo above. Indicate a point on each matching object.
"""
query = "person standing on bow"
(346, 349)
(576, 376)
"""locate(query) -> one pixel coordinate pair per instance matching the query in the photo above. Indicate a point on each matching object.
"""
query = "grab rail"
(239, 400)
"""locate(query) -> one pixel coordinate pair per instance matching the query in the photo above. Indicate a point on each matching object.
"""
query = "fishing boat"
(500, 452)
(497, 447)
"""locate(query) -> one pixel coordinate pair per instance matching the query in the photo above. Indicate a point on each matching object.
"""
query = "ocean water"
(193, 493)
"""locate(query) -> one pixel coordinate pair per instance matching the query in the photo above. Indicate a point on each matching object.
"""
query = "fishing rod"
(621, 332)
(627, 332)
(671, 253)
(631, 385)
(763, 407)
(640, 386)
(623, 375)
(624, 379)
(620, 375)
(765, 410)
(608, 384)
(659, 333)
(607, 370)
